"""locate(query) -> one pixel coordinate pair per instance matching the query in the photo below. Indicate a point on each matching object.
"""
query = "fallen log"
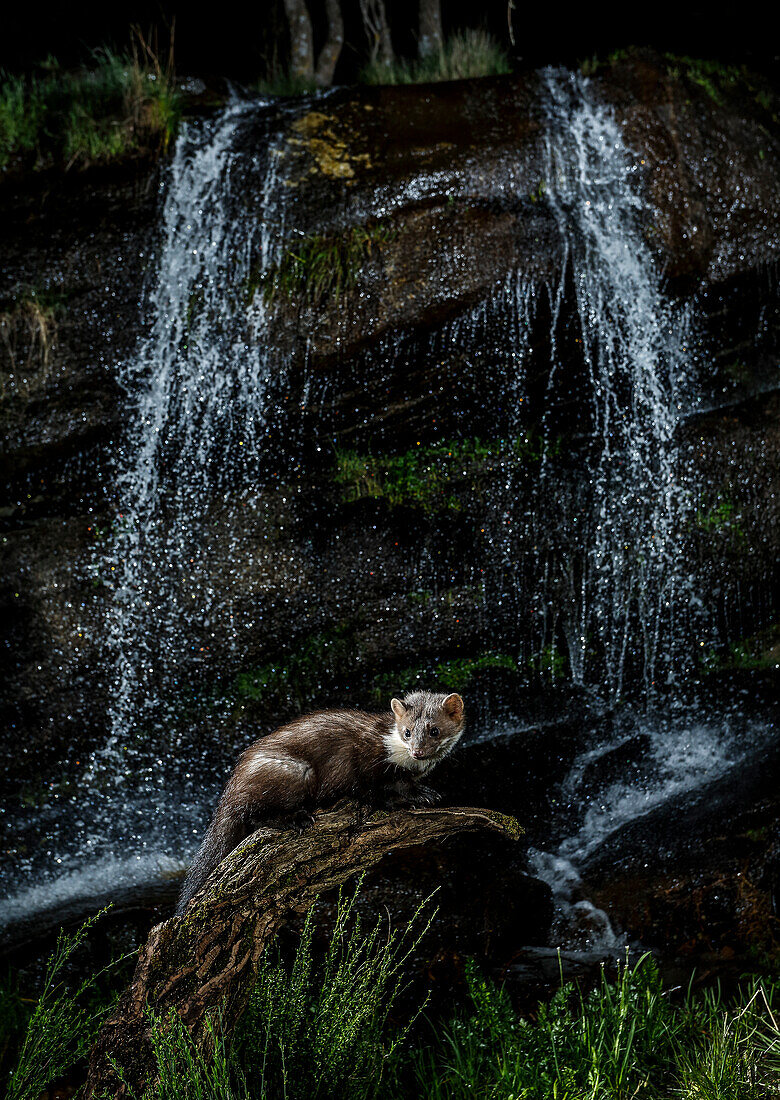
(206, 959)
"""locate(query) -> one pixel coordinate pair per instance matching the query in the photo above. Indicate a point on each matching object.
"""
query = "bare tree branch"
(377, 31)
(431, 37)
(329, 54)
(301, 39)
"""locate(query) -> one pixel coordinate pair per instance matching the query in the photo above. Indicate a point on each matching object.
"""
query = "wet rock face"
(698, 877)
(352, 586)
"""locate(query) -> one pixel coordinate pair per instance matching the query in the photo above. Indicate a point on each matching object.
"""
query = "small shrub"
(466, 54)
(62, 1025)
(319, 1029)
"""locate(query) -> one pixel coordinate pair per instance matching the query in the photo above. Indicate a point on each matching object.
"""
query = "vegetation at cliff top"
(317, 268)
(122, 103)
(713, 77)
(426, 476)
(326, 1024)
(466, 54)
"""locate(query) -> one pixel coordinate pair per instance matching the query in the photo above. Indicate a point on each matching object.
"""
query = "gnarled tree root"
(207, 958)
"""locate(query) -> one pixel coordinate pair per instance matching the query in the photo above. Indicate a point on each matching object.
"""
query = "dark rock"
(455, 170)
(697, 876)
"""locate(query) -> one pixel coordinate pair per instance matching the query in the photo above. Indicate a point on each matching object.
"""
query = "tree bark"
(431, 36)
(377, 31)
(206, 959)
(330, 52)
(301, 39)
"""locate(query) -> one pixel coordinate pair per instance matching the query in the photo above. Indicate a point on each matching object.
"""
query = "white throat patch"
(398, 753)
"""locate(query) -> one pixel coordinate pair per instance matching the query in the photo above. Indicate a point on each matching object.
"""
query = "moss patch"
(432, 477)
(319, 268)
(456, 674)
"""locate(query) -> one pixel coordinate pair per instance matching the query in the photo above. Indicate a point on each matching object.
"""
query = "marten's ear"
(453, 707)
(398, 709)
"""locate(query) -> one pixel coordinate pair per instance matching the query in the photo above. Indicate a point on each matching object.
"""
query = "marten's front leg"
(408, 792)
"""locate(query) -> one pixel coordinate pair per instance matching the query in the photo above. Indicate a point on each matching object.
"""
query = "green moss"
(466, 54)
(117, 106)
(456, 674)
(550, 663)
(317, 268)
(298, 674)
(721, 518)
(428, 477)
(720, 82)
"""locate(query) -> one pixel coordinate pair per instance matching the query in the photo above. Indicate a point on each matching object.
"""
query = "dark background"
(239, 40)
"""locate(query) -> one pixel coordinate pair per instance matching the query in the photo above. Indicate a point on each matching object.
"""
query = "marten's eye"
(407, 734)
(434, 731)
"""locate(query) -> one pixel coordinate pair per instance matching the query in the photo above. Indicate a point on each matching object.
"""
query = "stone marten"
(322, 757)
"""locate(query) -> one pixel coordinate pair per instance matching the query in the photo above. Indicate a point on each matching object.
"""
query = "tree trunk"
(329, 54)
(377, 31)
(301, 39)
(431, 37)
(206, 959)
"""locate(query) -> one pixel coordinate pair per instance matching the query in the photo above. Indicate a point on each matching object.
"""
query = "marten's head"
(427, 727)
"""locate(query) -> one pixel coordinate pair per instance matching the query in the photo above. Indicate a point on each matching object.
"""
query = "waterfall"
(201, 376)
(637, 350)
(583, 555)
(198, 392)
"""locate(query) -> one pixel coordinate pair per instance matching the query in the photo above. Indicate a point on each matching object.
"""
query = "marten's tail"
(212, 851)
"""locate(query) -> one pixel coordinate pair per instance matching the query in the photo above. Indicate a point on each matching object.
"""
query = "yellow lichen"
(330, 152)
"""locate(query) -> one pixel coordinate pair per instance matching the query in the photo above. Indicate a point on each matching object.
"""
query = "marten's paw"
(424, 796)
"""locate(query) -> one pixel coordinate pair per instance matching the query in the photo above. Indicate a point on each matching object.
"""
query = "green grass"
(62, 1025)
(623, 1041)
(427, 477)
(466, 54)
(285, 84)
(327, 1024)
(119, 105)
(317, 268)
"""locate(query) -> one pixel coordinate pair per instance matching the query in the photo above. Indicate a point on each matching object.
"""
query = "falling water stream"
(199, 434)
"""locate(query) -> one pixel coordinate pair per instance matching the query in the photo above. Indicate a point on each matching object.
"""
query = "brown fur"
(325, 756)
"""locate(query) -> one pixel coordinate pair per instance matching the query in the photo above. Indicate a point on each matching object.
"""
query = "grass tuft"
(317, 268)
(121, 104)
(466, 54)
(284, 84)
(622, 1040)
